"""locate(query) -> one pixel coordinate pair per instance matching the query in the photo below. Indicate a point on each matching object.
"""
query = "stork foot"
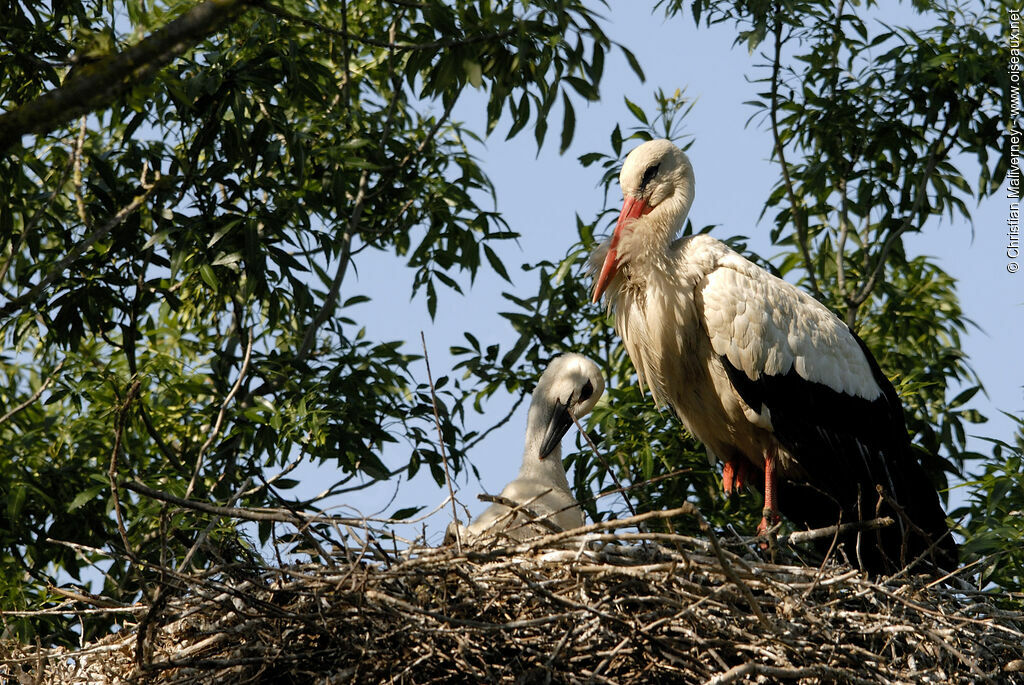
(734, 475)
(769, 518)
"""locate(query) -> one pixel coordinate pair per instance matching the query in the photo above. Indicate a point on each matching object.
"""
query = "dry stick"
(729, 572)
(906, 519)
(627, 488)
(611, 472)
(788, 673)
(517, 507)
(821, 569)
(688, 509)
(279, 515)
(831, 531)
(94, 600)
(964, 659)
(440, 441)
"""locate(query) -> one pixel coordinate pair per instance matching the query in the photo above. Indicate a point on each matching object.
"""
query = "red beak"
(632, 208)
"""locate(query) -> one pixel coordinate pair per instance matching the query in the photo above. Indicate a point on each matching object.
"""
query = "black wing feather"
(847, 445)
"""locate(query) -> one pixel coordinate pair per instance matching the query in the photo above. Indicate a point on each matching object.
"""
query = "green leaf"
(495, 263)
(474, 73)
(405, 513)
(634, 64)
(637, 111)
(16, 500)
(568, 123)
(206, 273)
(85, 496)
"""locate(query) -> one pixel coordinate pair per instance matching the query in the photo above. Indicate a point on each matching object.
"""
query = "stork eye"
(586, 391)
(649, 175)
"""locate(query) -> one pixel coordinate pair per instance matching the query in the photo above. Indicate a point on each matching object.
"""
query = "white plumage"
(571, 383)
(764, 375)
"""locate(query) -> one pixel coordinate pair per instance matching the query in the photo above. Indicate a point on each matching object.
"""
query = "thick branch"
(97, 86)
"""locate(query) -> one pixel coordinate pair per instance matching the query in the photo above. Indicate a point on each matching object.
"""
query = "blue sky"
(540, 194)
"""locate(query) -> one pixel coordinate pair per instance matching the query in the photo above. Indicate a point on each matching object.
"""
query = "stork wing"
(764, 325)
(829, 405)
(786, 353)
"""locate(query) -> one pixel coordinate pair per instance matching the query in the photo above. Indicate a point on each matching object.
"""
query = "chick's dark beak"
(560, 421)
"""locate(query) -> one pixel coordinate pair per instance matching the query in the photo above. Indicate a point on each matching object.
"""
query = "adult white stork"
(763, 374)
(570, 386)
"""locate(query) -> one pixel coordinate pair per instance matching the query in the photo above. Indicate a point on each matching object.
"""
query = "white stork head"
(657, 189)
(570, 386)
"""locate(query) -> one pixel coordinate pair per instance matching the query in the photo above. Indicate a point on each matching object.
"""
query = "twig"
(280, 515)
(522, 507)
(607, 467)
(729, 572)
(937, 150)
(796, 207)
(440, 439)
(215, 431)
(469, 445)
(122, 419)
(831, 531)
(35, 396)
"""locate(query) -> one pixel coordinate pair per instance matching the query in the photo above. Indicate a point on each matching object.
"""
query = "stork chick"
(570, 386)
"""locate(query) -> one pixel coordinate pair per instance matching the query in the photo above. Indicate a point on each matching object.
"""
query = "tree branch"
(831, 531)
(938, 151)
(97, 86)
(844, 232)
(497, 425)
(796, 208)
(440, 436)
(220, 415)
(247, 514)
(35, 395)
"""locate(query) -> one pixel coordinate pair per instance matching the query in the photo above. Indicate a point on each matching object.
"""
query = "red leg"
(770, 515)
(728, 476)
(734, 475)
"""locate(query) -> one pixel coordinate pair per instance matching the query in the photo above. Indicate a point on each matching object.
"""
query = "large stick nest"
(567, 607)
